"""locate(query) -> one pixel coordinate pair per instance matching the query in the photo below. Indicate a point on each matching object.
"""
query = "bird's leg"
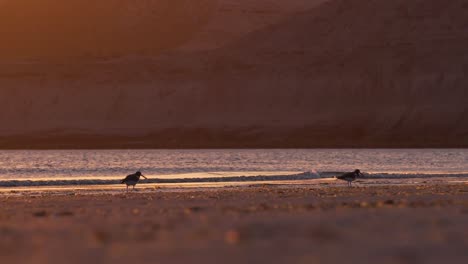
(127, 188)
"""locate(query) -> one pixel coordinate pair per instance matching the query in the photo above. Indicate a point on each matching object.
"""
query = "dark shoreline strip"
(259, 178)
(28, 183)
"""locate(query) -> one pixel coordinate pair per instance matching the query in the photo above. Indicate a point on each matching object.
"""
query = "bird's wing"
(346, 175)
(129, 177)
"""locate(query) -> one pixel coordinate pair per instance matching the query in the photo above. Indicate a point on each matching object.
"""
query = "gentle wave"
(258, 178)
(413, 175)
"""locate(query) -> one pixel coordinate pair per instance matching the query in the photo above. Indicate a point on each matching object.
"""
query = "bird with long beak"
(133, 179)
(350, 176)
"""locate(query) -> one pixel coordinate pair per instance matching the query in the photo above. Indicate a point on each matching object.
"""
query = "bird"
(350, 176)
(133, 179)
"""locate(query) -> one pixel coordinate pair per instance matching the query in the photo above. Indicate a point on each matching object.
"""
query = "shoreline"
(148, 188)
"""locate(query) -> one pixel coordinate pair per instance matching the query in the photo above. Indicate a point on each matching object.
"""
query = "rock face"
(364, 73)
(386, 73)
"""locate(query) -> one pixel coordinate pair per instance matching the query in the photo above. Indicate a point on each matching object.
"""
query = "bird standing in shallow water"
(350, 176)
(133, 179)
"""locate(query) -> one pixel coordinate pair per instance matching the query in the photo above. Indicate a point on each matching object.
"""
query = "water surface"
(168, 164)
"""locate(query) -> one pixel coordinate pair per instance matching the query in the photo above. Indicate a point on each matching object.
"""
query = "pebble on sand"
(232, 237)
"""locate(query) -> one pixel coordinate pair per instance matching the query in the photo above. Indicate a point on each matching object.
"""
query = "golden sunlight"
(101, 28)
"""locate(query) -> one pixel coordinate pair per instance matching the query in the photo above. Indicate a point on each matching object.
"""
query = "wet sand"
(242, 224)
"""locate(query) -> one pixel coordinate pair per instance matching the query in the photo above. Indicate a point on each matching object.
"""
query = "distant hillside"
(364, 73)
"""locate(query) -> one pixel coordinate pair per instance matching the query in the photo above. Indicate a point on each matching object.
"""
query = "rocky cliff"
(364, 73)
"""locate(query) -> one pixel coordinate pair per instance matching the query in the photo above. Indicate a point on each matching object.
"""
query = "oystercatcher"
(350, 176)
(133, 179)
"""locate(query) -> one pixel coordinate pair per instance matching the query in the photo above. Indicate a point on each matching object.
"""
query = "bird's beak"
(144, 177)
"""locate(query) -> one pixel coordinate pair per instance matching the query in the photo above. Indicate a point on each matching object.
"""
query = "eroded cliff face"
(347, 73)
(361, 71)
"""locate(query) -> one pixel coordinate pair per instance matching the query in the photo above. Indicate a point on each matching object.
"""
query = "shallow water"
(60, 165)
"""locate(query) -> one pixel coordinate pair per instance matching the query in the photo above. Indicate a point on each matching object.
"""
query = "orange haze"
(56, 28)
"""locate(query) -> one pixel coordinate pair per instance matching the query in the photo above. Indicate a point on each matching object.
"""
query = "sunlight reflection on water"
(25, 164)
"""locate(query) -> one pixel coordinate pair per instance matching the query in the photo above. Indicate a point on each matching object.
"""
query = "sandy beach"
(410, 223)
